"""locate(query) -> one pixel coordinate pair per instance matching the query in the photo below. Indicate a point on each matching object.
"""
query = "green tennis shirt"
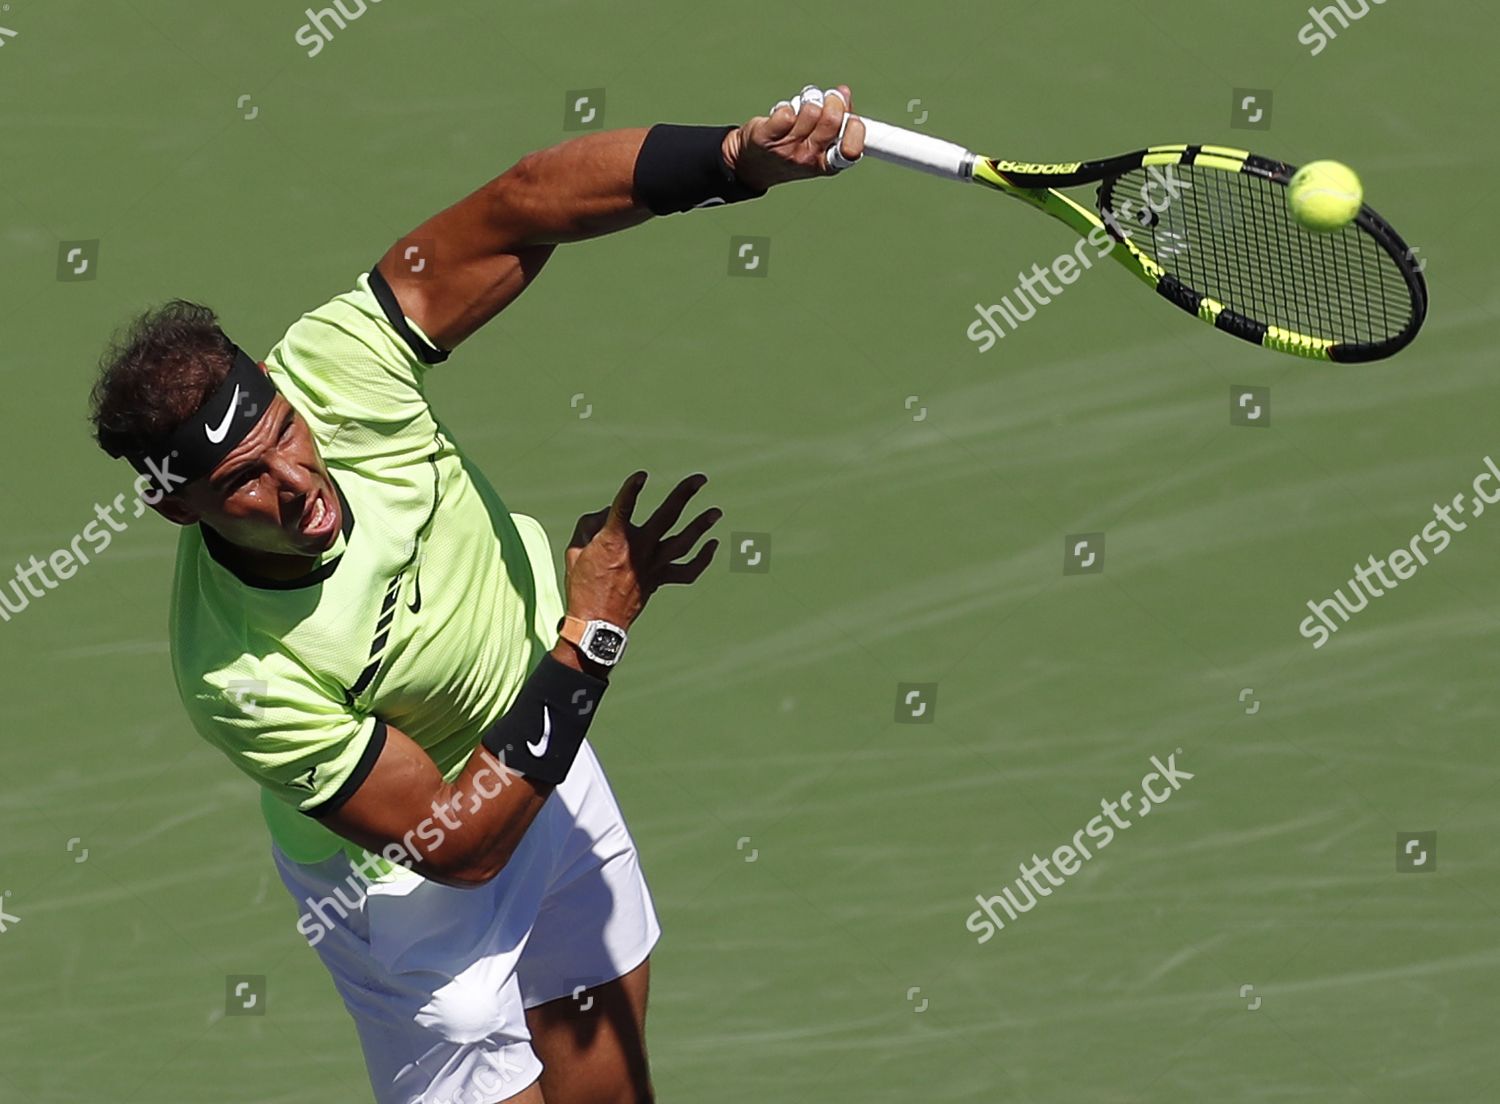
(427, 614)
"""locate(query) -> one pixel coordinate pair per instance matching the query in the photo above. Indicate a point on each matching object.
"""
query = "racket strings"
(1231, 237)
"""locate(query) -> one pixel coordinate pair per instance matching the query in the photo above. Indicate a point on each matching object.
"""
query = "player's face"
(272, 493)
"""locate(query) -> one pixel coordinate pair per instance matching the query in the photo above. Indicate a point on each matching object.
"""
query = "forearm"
(464, 832)
(478, 820)
(578, 189)
(487, 809)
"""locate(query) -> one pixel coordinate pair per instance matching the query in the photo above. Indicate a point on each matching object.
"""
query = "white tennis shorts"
(438, 979)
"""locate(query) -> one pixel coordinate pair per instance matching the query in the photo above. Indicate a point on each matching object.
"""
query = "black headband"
(200, 444)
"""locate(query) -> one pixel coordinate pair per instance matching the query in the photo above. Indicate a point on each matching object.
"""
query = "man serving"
(362, 626)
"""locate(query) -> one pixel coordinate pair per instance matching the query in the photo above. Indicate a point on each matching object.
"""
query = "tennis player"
(362, 626)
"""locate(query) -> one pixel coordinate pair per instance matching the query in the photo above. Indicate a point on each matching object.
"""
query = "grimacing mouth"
(320, 515)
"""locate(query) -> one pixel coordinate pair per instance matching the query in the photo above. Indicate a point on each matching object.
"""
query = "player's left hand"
(798, 140)
(615, 565)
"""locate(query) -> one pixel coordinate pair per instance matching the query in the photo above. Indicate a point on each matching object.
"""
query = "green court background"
(754, 719)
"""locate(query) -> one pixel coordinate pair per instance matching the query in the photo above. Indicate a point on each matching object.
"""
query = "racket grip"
(917, 151)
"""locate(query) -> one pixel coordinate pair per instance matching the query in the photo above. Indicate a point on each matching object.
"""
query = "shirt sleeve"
(355, 369)
(276, 724)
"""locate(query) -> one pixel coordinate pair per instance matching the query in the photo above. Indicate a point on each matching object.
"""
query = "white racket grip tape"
(917, 151)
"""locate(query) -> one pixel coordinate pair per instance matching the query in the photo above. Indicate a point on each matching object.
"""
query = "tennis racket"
(1210, 229)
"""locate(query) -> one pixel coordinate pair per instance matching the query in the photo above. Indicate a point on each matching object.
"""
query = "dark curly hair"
(157, 371)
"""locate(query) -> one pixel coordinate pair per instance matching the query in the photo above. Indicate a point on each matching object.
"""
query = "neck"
(277, 569)
(280, 566)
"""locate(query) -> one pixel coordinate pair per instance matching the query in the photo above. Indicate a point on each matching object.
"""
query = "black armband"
(540, 734)
(682, 167)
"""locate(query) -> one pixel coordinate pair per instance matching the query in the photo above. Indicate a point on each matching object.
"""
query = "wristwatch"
(599, 641)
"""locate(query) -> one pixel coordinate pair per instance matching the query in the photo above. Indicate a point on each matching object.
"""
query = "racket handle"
(917, 151)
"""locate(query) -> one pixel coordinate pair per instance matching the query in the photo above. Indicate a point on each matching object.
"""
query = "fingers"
(684, 573)
(675, 547)
(852, 133)
(779, 124)
(624, 503)
(822, 121)
(670, 510)
(840, 152)
(808, 116)
(588, 525)
(853, 145)
(831, 121)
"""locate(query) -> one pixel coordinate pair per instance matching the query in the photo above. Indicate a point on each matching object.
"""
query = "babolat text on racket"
(1210, 229)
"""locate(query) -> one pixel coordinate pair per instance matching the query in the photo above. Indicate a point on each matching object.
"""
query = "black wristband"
(682, 167)
(540, 734)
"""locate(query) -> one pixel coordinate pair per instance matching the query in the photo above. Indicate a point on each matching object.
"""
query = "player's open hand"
(614, 565)
(816, 136)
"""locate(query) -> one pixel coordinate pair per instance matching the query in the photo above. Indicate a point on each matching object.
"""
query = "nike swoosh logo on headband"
(217, 434)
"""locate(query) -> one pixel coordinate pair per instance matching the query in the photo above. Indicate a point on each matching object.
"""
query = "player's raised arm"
(464, 832)
(464, 265)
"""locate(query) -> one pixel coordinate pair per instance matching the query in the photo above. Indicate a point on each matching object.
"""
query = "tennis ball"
(1325, 196)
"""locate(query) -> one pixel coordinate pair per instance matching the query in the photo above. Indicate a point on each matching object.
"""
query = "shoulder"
(367, 319)
(356, 362)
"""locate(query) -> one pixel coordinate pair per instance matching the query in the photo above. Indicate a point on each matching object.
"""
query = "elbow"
(466, 871)
(474, 877)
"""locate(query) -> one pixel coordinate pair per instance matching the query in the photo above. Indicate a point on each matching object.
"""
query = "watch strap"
(571, 629)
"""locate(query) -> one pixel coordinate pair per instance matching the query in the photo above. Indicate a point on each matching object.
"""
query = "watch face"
(605, 644)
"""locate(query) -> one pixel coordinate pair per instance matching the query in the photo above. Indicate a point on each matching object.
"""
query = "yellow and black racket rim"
(1211, 230)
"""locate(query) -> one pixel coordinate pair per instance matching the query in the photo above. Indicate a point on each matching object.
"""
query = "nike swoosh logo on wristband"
(539, 749)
